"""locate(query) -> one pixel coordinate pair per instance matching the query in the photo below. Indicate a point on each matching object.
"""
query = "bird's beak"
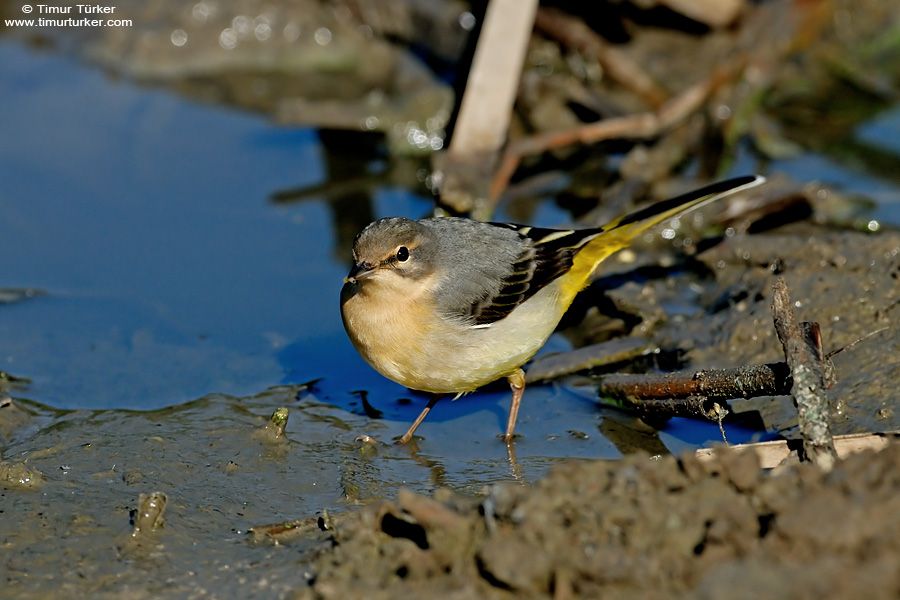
(358, 272)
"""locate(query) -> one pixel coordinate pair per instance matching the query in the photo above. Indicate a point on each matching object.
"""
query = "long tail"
(619, 233)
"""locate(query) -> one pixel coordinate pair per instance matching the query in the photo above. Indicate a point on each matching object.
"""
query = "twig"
(698, 407)
(741, 382)
(803, 351)
(573, 33)
(603, 354)
(852, 344)
(638, 126)
(700, 394)
(286, 531)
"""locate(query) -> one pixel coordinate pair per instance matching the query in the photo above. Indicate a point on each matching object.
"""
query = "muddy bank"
(119, 503)
(72, 482)
(639, 528)
(713, 310)
(676, 528)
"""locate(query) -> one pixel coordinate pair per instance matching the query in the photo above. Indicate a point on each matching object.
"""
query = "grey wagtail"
(447, 305)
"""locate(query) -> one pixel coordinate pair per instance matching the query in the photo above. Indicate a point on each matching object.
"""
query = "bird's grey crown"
(380, 238)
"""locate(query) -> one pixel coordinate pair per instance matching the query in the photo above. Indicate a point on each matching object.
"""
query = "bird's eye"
(402, 253)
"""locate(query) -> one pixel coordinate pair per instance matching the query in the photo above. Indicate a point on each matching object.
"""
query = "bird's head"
(393, 252)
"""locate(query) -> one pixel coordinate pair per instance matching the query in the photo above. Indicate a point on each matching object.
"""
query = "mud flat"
(638, 528)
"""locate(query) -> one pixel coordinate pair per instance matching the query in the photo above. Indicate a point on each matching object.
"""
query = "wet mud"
(150, 504)
(297, 492)
(260, 495)
(223, 496)
(639, 528)
(848, 282)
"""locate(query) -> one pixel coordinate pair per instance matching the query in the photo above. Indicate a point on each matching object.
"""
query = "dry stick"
(639, 126)
(804, 375)
(494, 78)
(741, 382)
(573, 33)
(803, 351)
(694, 394)
(483, 122)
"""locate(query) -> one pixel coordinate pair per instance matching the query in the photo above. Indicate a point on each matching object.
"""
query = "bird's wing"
(546, 254)
(542, 255)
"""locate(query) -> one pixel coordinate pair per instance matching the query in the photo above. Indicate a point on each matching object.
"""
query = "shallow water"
(166, 276)
(165, 270)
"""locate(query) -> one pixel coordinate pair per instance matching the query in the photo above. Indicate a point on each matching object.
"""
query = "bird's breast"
(388, 326)
(409, 342)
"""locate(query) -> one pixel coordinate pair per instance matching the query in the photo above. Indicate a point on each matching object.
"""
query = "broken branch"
(803, 351)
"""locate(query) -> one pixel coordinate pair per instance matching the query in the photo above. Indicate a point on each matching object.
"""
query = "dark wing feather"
(547, 255)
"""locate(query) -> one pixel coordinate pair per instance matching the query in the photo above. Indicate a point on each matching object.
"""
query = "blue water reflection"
(146, 220)
(169, 272)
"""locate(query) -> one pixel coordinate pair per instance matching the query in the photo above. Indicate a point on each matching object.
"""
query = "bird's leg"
(412, 428)
(517, 384)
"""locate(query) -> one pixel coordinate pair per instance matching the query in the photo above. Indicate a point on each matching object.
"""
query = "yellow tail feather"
(619, 233)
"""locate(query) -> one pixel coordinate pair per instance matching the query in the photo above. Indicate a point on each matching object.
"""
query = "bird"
(448, 304)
